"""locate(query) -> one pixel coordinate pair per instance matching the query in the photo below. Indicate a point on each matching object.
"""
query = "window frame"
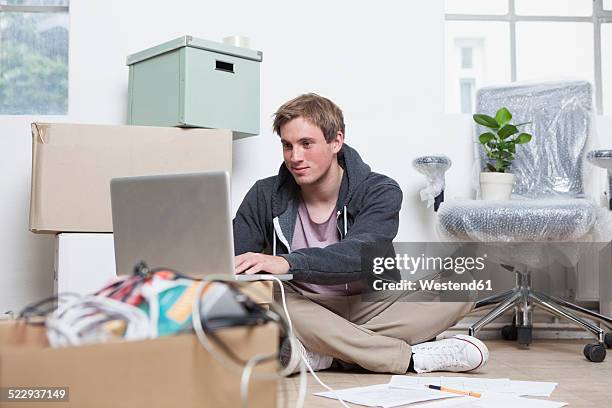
(599, 16)
(22, 8)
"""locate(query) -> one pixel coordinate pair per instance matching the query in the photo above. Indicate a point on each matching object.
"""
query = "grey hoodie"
(367, 212)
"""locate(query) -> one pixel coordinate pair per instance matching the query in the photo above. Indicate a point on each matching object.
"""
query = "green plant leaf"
(523, 138)
(507, 131)
(512, 147)
(485, 120)
(486, 137)
(523, 124)
(503, 116)
(490, 167)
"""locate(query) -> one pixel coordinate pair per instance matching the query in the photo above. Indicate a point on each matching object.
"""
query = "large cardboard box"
(72, 166)
(85, 262)
(172, 371)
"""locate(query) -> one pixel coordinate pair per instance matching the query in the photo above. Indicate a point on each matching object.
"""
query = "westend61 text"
(433, 285)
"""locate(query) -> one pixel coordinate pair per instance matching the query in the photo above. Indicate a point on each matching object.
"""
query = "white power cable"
(76, 319)
(293, 345)
(295, 354)
(245, 378)
(225, 360)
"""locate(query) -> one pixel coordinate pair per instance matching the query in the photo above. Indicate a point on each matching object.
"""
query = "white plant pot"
(496, 186)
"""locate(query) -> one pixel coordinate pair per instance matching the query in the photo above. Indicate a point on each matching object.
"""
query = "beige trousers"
(374, 335)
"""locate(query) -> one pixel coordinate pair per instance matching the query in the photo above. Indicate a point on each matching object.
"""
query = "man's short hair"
(316, 109)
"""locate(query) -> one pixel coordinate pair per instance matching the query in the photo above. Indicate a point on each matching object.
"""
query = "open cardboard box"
(173, 371)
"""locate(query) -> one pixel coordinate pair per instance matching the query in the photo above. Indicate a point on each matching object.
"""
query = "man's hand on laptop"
(250, 263)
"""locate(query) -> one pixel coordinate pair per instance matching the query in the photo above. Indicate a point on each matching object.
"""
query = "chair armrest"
(603, 159)
(433, 167)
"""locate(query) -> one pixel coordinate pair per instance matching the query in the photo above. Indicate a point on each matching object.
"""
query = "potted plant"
(499, 144)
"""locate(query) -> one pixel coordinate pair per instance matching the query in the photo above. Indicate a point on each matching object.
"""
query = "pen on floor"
(451, 390)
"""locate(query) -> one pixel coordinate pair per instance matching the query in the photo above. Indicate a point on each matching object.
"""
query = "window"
(489, 44)
(33, 57)
(606, 66)
(477, 6)
(529, 40)
(554, 50)
(466, 57)
(570, 8)
(467, 86)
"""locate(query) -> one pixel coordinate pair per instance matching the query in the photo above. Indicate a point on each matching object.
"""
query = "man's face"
(306, 153)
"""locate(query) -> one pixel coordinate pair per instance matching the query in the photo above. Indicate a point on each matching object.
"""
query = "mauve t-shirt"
(309, 234)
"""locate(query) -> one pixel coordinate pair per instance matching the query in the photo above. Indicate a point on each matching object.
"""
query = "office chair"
(549, 202)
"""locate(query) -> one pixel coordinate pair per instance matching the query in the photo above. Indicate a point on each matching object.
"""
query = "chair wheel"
(509, 333)
(586, 350)
(608, 339)
(524, 335)
(595, 352)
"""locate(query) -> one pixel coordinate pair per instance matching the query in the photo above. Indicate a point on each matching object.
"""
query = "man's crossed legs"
(383, 335)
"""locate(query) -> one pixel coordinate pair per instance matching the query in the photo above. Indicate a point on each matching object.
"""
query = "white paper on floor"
(404, 390)
(382, 395)
(459, 383)
(482, 385)
(506, 401)
(491, 401)
(533, 388)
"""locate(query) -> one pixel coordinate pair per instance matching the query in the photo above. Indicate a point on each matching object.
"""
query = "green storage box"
(190, 82)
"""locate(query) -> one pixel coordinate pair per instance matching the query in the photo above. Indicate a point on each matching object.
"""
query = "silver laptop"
(177, 221)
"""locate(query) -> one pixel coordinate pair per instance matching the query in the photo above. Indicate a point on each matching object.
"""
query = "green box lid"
(189, 41)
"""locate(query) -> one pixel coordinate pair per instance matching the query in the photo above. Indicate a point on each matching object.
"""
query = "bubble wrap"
(528, 233)
(516, 220)
(433, 167)
(560, 112)
(549, 204)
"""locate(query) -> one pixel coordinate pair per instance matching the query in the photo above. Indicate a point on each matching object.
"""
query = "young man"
(311, 220)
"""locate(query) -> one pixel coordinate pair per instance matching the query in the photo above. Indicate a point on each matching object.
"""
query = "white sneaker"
(317, 361)
(458, 353)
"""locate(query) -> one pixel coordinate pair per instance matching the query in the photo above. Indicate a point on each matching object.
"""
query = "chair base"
(523, 298)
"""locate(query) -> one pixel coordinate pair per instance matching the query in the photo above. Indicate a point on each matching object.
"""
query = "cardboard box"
(191, 82)
(85, 262)
(72, 166)
(261, 292)
(174, 371)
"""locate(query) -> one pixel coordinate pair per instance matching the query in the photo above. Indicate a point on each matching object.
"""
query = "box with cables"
(153, 339)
